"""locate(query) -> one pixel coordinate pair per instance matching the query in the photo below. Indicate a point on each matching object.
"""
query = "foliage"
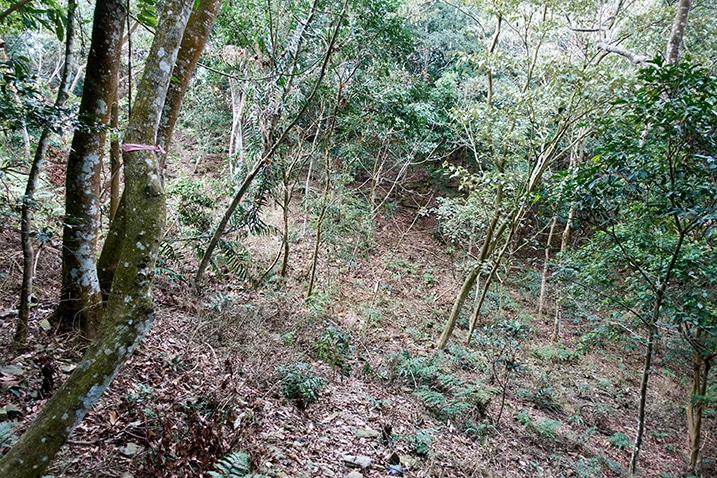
(420, 442)
(544, 398)
(334, 348)
(650, 193)
(544, 427)
(194, 206)
(348, 225)
(7, 434)
(234, 465)
(500, 342)
(552, 353)
(445, 394)
(300, 383)
(620, 440)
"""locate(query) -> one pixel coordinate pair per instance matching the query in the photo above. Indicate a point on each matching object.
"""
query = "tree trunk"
(285, 223)
(672, 54)
(81, 301)
(28, 272)
(486, 250)
(129, 311)
(695, 406)
(266, 160)
(544, 280)
(488, 282)
(642, 407)
(115, 162)
(651, 335)
(322, 215)
(195, 37)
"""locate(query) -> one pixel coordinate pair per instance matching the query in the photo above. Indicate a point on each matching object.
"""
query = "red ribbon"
(127, 147)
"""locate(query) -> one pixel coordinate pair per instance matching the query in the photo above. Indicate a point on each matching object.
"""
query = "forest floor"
(214, 373)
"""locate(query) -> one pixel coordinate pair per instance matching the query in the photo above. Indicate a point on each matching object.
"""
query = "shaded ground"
(207, 379)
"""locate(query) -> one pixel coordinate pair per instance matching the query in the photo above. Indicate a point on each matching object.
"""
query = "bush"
(299, 382)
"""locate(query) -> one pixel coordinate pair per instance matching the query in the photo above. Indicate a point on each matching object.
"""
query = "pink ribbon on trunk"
(127, 147)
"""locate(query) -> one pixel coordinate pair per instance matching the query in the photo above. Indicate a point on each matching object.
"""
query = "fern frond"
(232, 465)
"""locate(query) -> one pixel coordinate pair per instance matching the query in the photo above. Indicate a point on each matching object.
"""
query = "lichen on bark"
(80, 305)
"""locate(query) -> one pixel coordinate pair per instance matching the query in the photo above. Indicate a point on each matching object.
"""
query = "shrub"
(299, 382)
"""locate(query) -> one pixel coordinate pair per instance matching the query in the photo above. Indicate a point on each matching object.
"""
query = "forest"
(358, 238)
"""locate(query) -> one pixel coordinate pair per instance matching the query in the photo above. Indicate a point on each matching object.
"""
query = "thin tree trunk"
(642, 407)
(28, 270)
(81, 300)
(129, 311)
(651, 335)
(13, 8)
(672, 54)
(219, 231)
(488, 282)
(285, 223)
(695, 406)
(544, 280)
(486, 250)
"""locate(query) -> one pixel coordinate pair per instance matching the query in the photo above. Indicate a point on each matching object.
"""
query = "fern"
(234, 465)
(7, 434)
(236, 258)
(299, 382)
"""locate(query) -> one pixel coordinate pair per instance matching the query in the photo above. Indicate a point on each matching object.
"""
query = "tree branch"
(13, 8)
(633, 57)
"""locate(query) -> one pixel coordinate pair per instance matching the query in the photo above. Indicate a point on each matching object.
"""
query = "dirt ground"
(206, 381)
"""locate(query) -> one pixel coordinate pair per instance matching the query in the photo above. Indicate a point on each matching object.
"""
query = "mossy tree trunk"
(195, 38)
(80, 299)
(128, 314)
(28, 200)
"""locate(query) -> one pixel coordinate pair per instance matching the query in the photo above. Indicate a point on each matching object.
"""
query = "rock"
(409, 462)
(68, 368)
(354, 474)
(130, 449)
(395, 470)
(45, 325)
(367, 433)
(357, 461)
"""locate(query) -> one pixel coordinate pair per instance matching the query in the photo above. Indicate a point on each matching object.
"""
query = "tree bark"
(115, 161)
(28, 200)
(672, 53)
(80, 300)
(695, 406)
(195, 37)
(129, 311)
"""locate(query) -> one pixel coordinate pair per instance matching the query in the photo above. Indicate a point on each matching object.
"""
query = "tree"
(128, 314)
(81, 299)
(273, 135)
(197, 32)
(26, 221)
(651, 194)
(524, 120)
